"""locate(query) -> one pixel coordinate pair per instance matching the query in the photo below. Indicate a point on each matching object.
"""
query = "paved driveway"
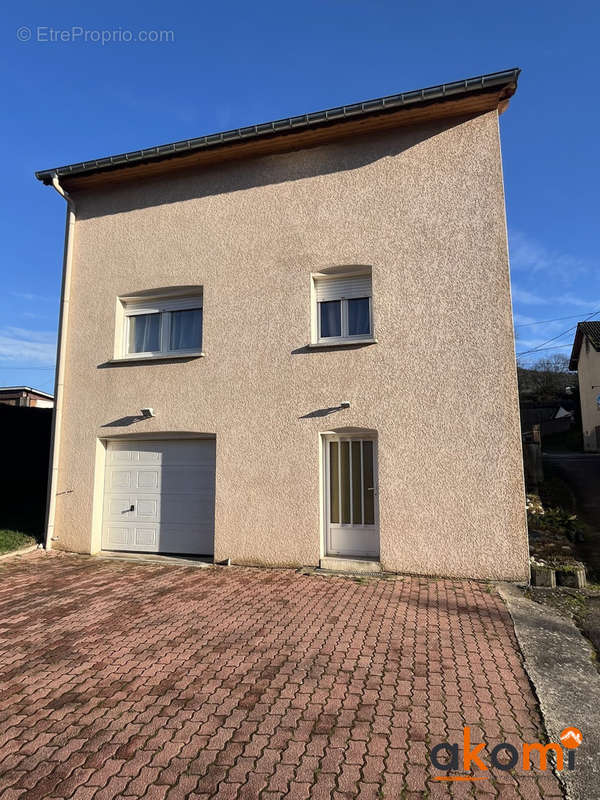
(133, 680)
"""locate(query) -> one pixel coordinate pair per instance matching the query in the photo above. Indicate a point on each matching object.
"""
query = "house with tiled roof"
(585, 359)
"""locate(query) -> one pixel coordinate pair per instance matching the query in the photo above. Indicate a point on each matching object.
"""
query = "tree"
(546, 380)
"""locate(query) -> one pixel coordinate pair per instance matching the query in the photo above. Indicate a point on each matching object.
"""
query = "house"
(552, 417)
(265, 335)
(585, 358)
(25, 396)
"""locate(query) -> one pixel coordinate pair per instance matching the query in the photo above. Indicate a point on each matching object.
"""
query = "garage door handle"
(131, 508)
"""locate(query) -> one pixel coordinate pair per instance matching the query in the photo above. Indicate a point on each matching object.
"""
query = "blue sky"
(233, 64)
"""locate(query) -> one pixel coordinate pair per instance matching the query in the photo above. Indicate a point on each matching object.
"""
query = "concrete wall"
(425, 208)
(588, 371)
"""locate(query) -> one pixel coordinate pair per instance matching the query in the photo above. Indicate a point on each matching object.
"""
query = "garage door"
(159, 497)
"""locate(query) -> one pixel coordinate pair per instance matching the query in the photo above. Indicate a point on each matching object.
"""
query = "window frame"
(345, 338)
(164, 306)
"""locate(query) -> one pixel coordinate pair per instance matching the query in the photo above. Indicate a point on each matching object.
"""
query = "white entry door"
(159, 497)
(351, 496)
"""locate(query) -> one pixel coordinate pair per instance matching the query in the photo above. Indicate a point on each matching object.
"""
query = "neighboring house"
(25, 396)
(585, 358)
(551, 417)
(293, 341)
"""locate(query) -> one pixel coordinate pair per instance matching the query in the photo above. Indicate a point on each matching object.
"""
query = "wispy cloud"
(531, 256)
(35, 315)
(27, 346)
(589, 303)
(523, 319)
(34, 298)
(528, 298)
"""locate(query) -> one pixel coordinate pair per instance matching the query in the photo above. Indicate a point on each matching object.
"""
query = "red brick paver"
(165, 682)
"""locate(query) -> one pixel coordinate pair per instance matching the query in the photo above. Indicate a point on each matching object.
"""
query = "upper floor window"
(343, 308)
(162, 327)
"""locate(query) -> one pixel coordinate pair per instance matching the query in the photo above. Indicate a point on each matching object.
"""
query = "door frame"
(324, 486)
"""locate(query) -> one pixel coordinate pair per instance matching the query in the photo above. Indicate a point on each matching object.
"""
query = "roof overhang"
(459, 99)
(16, 389)
(588, 331)
(576, 350)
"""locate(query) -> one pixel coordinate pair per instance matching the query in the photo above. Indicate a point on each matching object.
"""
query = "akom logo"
(504, 756)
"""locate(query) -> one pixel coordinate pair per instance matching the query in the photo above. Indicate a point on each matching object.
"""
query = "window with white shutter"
(343, 308)
(162, 326)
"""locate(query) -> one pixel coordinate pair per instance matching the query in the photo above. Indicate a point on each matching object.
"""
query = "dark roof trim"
(442, 92)
(591, 330)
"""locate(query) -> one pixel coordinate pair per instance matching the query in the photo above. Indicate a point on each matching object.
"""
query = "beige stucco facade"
(423, 207)
(588, 372)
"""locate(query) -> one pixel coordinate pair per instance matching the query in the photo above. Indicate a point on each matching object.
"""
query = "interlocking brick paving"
(134, 680)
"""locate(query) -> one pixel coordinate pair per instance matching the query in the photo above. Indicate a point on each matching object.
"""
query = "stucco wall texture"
(588, 372)
(424, 207)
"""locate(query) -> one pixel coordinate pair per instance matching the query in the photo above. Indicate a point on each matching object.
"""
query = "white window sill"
(159, 357)
(341, 342)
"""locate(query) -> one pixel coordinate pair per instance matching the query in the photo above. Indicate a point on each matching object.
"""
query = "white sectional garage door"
(159, 497)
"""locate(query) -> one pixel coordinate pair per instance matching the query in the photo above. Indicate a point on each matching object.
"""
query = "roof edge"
(395, 102)
(26, 389)
(583, 330)
(574, 360)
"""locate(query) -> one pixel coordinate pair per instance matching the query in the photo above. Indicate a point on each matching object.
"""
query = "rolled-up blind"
(342, 288)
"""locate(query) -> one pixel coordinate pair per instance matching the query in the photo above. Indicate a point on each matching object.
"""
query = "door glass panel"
(369, 485)
(356, 485)
(345, 475)
(186, 329)
(334, 483)
(359, 323)
(144, 333)
(330, 318)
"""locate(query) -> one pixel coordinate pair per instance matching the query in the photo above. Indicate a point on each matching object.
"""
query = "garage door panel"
(119, 479)
(147, 479)
(117, 456)
(126, 454)
(116, 507)
(175, 538)
(163, 539)
(185, 480)
(145, 538)
(149, 457)
(201, 506)
(147, 509)
(116, 538)
(171, 486)
(193, 453)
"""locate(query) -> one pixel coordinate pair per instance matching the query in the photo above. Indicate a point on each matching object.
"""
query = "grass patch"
(14, 540)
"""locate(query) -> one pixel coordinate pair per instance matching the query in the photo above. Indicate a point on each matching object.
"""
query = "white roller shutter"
(342, 288)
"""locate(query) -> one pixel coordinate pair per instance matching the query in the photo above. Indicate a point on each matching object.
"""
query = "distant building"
(25, 396)
(585, 358)
(551, 417)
